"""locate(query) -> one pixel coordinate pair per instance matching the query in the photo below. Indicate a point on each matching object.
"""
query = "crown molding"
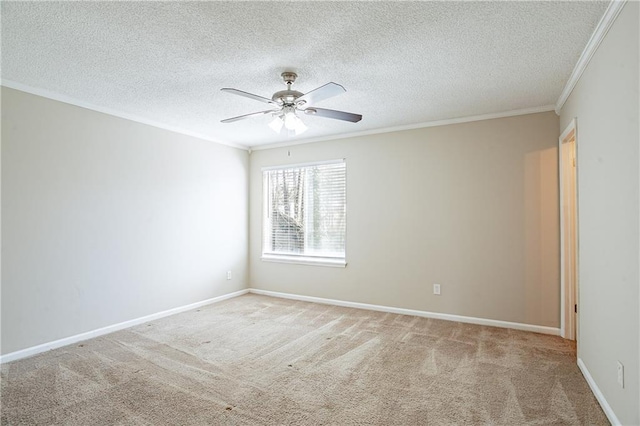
(105, 110)
(607, 20)
(491, 116)
(132, 117)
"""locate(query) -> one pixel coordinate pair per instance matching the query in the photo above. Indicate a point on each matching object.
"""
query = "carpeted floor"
(256, 360)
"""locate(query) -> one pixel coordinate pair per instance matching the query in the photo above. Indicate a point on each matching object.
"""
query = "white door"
(569, 232)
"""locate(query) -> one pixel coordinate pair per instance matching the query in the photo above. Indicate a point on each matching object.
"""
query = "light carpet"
(257, 360)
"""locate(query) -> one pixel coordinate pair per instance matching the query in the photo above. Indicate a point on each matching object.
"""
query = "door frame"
(568, 296)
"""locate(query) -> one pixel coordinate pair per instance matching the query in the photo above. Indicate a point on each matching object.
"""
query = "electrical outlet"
(228, 275)
(621, 374)
(436, 289)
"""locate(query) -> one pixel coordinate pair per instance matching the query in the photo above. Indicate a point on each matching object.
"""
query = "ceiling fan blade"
(242, 117)
(330, 113)
(249, 95)
(321, 93)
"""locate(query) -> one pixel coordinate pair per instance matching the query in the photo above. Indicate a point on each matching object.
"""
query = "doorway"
(568, 233)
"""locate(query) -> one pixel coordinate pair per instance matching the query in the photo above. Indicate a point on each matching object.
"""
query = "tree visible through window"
(305, 211)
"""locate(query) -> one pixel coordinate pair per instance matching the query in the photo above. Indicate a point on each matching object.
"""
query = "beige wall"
(605, 103)
(473, 207)
(106, 220)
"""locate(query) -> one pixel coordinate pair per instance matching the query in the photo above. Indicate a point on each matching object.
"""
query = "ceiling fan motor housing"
(287, 97)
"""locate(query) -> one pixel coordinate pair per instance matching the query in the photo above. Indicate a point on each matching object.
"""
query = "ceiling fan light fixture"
(300, 127)
(292, 122)
(276, 124)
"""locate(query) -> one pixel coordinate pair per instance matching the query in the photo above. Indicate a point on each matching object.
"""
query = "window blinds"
(305, 210)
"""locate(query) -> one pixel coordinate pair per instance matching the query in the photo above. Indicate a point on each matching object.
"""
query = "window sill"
(303, 260)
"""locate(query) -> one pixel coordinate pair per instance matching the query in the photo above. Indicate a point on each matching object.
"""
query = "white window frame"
(338, 262)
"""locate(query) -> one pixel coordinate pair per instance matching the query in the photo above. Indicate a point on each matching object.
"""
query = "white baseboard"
(34, 350)
(608, 411)
(448, 317)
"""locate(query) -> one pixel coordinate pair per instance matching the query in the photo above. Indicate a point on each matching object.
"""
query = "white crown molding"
(132, 117)
(610, 15)
(447, 317)
(608, 411)
(491, 116)
(34, 350)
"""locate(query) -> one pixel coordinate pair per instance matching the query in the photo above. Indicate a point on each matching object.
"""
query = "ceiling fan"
(287, 102)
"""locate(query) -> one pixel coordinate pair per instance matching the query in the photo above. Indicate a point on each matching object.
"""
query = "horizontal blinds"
(305, 210)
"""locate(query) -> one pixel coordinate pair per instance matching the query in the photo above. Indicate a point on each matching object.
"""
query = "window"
(305, 214)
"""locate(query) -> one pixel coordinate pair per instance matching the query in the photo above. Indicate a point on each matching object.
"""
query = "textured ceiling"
(402, 63)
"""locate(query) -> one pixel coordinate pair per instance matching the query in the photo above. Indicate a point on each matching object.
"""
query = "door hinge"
(574, 161)
(575, 308)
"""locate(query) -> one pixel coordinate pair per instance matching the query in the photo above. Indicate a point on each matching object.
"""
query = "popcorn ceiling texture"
(402, 63)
